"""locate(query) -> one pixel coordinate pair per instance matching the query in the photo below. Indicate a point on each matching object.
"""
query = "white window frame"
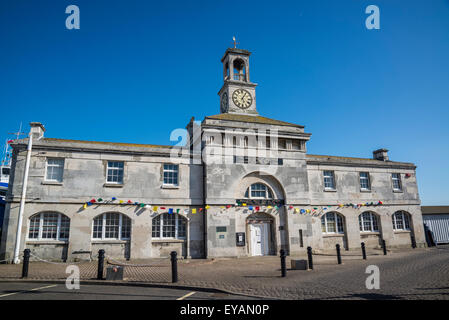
(170, 171)
(47, 165)
(372, 217)
(268, 191)
(368, 181)
(398, 179)
(178, 217)
(103, 228)
(405, 221)
(329, 176)
(41, 224)
(115, 168)
(336, 217)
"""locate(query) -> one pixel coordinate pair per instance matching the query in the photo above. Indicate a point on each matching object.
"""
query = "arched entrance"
(262, 238)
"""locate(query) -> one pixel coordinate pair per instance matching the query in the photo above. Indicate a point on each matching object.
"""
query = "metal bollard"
(26, 262)
(309, 256)
(174, 266)
(413, 241)
(100, 264)
(363, 251)
(337, 246)
(283, 267)
(384, 247)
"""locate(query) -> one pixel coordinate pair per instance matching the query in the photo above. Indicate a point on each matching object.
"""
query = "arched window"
(332, 222)
(401, 220)
(113, 226)
(49, 226)
(258, 191)
(368, 222)
(169, 225)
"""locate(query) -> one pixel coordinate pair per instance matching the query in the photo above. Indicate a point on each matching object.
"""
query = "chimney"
(380, 154)
(37, 130)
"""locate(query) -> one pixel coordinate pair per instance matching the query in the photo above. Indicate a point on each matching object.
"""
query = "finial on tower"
(235, 42)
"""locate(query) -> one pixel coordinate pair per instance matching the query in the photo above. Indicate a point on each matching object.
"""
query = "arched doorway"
(262, 238)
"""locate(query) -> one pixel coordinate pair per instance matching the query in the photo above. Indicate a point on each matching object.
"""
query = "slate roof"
(252, 119)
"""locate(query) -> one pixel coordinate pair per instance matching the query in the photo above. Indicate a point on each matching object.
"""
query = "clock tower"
(238, 93)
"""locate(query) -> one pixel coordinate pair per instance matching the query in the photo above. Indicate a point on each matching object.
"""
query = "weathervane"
(235, 43)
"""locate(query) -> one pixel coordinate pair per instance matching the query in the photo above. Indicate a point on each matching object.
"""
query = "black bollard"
(174, 267)
(26, 262)
(363, 251)
(413, 242)
(337, 246)
(283, 267)
(384, 247)
(309, 256)
(100, 264)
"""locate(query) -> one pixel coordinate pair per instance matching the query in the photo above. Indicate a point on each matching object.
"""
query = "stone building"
(241, 185)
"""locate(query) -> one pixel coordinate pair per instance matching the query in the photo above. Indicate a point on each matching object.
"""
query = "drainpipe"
(204, 203)
(22, 200)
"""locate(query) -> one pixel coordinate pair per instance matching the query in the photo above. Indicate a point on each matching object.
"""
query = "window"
(169, 225)
(113, 226)
(258, 191)
(364, 181)
(49, 226)
(5, 171)
(401, 220)
(368, 222)
(55, 168)
(329, 182)
(115, 172)
(332, 222)
(396, 178)
(171, 174)
(282, 144)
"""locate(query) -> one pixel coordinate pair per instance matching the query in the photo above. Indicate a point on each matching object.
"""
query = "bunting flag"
(193, 210)
(99, 200)
(85, 205)
(201, 209)
(155, 208)
(207, 207)
(177, 210)
(89, 203)
(228, 206)
(121, 201)
(162, 208)
(142, 205)
(170, 210)
(114, 198)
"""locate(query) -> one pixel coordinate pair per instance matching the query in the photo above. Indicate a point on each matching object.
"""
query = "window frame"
(268, 192)
(333, 188)
(368, 181)
(405, 216)
(337, 218)
(103, 228)
(170, 171)
(40, 230)
(398, 179)
(373, 217)
(161, 217)
(54, 166)
(122, 169)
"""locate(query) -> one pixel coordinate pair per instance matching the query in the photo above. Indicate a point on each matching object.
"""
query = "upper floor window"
(169, 225)
(258, 191)
(115, 172)
(49, 226)
(113, 226)
(171, 174)
(332, 222)
(396, 179)
(55, 169)
(329, 181)
(368, 222)
(401, 221)
(364, 181)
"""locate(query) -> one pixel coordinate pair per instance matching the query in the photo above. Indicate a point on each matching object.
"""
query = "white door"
(259, 239)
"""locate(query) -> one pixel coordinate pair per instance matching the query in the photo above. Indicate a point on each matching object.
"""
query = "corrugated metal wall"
(439, 225)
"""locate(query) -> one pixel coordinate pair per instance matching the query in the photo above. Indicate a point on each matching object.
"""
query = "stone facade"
(227, 155)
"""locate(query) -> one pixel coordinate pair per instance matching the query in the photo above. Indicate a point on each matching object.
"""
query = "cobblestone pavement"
(405, 274)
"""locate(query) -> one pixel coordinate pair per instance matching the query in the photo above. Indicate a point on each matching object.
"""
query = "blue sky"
(136, 70)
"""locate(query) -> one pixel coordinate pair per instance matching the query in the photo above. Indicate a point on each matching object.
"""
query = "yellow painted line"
(35, 289)
(187, 295)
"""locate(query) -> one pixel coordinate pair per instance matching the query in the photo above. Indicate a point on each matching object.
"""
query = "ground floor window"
(49, 226)
(368, 222)
(332, 222)
(401, 220)
(169, 225)
(112, 225)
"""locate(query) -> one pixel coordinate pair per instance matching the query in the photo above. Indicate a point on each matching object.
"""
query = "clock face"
(224, 102)
(242, 98)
